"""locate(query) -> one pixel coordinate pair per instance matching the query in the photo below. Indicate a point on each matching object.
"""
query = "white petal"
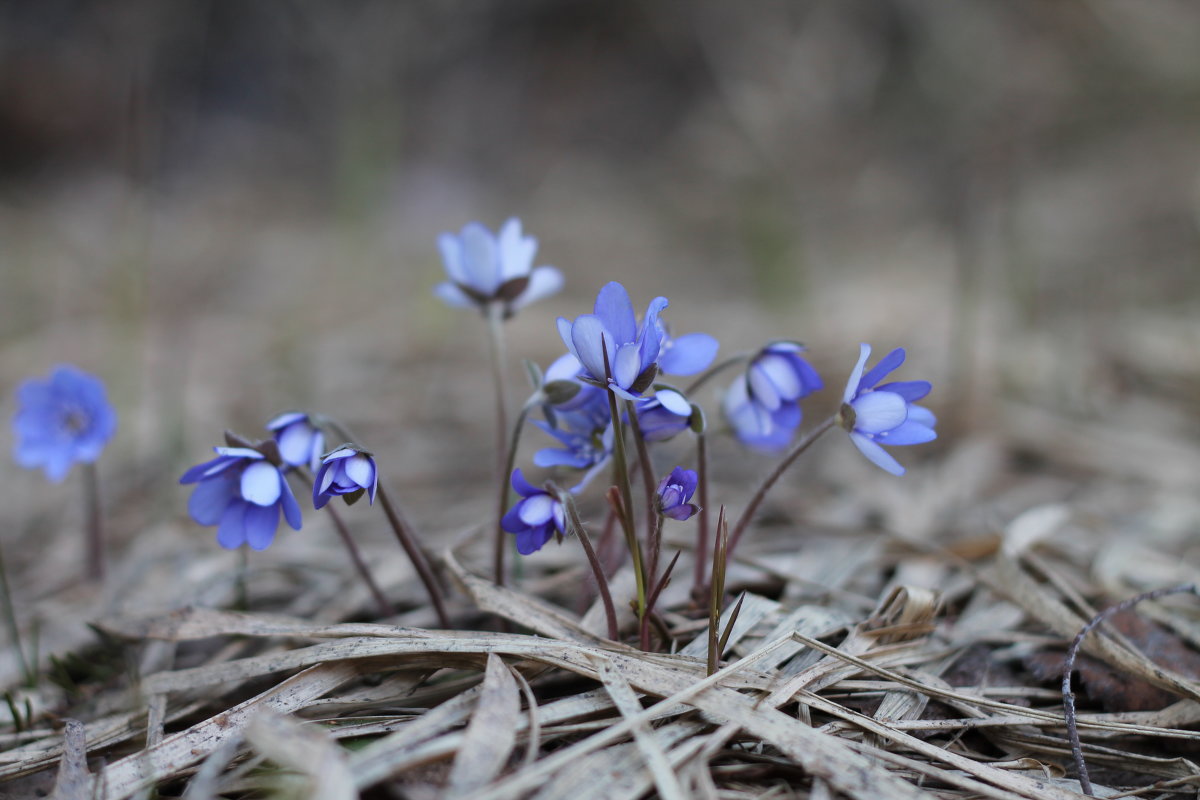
(260, 484)
(876, 412)
(361, 470)
(864, 352)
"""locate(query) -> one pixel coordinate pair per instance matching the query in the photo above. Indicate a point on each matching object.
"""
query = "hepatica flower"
(884, 415)
(485, 269)
(60, 420)
(611, 335)
(536, 517)
(346, 471)
(674, 492)
(300, 441)
(763, 404)
(664, 415)
(242, 493)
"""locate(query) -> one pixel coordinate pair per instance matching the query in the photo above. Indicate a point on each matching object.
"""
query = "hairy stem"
(653, 519)
(698, 581)
(95, 524)
(610, 611)
(621, 470)
(505, 453)
(770, 480)
(403, 531)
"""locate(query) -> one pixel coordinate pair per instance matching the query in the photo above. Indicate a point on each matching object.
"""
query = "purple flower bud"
(485, 269)
(674, 492)
(242, 493)
(346, 471)
(300, 441)
(611, 336)
(60, 420)
(878, 415)
(536, 518)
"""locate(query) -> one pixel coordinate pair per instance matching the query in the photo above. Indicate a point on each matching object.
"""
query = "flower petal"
(515, 251)
(231, 531)
(295, 443)
(537, 510)
(876, 412)
(886, 365)
(452, 257)
(523, 486)
(689, 354)
(674, 402)
(209, 500)
(543, 282)
(628, 365)
(877, 455)
(261, 523)
(285, 419)
(911, 391)
(291, 508)
(261, 484)
(908, 432)
(361, 470)
(590, 338)
(615, 310)
(479, 258)
(453, 296)
(864, 352)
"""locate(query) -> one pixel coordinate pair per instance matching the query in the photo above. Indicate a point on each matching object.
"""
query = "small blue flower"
(778, 375)
(242, 493)
(754, 425)
(611, 334)
(879, 415)
(536, 518)
(687, 354)
(300, 441)
(674, 492)
(346, 471)
(485, 268)
(60, 420)
(664, 415)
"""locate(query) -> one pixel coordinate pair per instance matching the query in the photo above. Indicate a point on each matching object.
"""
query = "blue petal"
(864, 352)
(615, 310)
(590, 338)
(536, 510)
(321, 485)
(361, 470)
(674, 402)
(628, 365)
(878, 456)
(291, 509)
(912, 391)
(453, 296)
(533, 539)
(260, 484)
(651, 340)
(922, 415)
(285, 419)
(479, 258)
(511, 521)
(452, 257)
(876, 412)
(908, 433)
(553, 457)
(543, 282)
(523, 486)
(261, 523)
(689, 354)
(515, 251)
(210, 499)
(772, 381)
(886, 364)
(565, 332)
(231, 532)
(295, 443)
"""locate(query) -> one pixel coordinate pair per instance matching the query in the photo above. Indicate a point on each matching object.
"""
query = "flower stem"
(621, 470)
(403, 531)
(610, 612)
(770, 480)
(701, 518)
(502, 501)
(385, 608)
(504, 453)
(28, 667)
(653, 518)
(716, 370)
(95, 526)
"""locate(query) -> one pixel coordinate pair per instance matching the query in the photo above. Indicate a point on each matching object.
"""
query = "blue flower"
(611, 335)
(484, 269)
(674, 492)
(346, 471)
(536, 518)
(878, 415)
(687, 354)
(763, 405)
(60, 420)
(753, 424)
(300, 441)
(778, 375)
(584, 432)
(664, 415)
(242, 493)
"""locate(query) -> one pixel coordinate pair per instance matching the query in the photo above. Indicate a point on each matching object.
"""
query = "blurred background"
(228, 209)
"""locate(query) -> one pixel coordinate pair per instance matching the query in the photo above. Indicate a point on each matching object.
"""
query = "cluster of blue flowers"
(610, 381)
